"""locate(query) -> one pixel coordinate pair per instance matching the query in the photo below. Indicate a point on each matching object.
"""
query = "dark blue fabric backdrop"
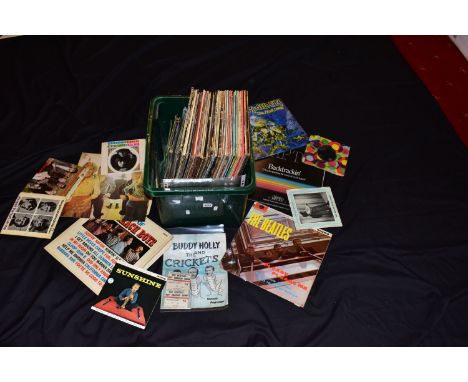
(395, 274)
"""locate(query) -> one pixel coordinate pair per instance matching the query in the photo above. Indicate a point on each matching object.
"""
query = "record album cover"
(130, 295)
(89, 248)
(269, 251)
(274, 129)
(281, 172)
(124, 156)
(195, 279)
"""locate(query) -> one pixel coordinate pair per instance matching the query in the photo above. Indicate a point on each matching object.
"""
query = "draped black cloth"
(395, 273)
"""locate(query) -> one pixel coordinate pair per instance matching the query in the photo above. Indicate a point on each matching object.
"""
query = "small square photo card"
(313, 208)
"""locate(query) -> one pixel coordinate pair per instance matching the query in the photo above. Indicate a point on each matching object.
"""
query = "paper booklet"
(130, 295)
(33, 215)
(116, 196)
(195, 279)
(270, 252)
(90, 247)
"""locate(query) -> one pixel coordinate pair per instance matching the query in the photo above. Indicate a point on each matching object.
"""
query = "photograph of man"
(131, 256)
(28, 204)
(128, 298)
(19, 222)
(211, 282)
(39, 224)
(317, 211)
(47, 207)
(114, 237)
(299, 248)
(195, 282)
(121, 244)
(41, 187)
(136, 201)
(103, 232)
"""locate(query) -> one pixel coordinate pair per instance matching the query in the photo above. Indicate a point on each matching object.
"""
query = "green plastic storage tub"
(188, 206)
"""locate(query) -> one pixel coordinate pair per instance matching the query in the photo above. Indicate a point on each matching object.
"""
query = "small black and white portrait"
(40, 224)
(123, 160)
(313, 208)
(27, 205)
(19, 222)
(47, 207)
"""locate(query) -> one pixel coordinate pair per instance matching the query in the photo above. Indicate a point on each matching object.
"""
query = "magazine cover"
(33, 215)
(270, 252)
(90, 247)
(123, 156)
(86, 194)
(195, 279)
(279, 173)
(111, 197)
(55, 178)
(274, 129)
(130, 295)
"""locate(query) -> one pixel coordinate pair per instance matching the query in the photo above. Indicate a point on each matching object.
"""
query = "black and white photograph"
(33, 215)
(123, 160)
(47, 207)
(313, 208)
(20, 222)
(126, 156)
(40, 224)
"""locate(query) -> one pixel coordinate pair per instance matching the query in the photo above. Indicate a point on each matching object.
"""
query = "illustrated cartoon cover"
(274, 129)
(270, 252)
(195, 279)
(130, 295)
(279, 173)
(89, 248)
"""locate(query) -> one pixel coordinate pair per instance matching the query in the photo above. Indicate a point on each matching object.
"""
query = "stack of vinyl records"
(211, 137)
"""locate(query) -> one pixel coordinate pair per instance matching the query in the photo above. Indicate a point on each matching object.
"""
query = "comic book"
(130, 295)
(274, 129)
(270, 252)
(89, 248)
(195, 280)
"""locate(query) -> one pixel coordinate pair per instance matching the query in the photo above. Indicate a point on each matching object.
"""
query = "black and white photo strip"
(122, 156)
(33, 216)
(313, 208)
